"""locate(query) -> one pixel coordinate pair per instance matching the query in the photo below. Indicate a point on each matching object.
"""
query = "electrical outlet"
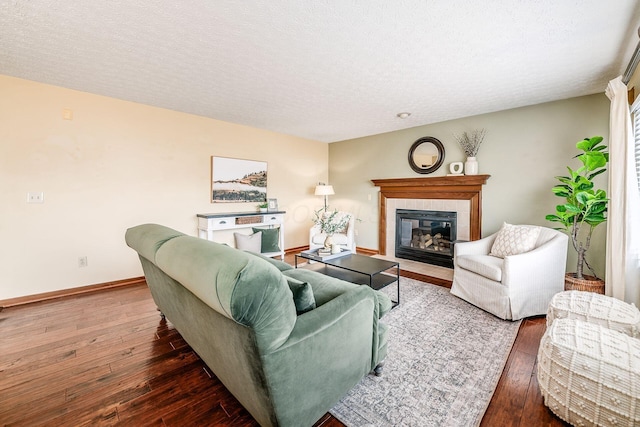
(82, 262)
(35, 197)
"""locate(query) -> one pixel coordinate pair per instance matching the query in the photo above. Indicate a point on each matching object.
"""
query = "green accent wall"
(525, 148)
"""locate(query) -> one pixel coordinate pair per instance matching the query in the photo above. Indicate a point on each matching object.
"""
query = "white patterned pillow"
(514, 240)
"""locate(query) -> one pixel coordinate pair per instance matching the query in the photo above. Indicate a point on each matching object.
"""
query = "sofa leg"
(378, 369)
(162, 316)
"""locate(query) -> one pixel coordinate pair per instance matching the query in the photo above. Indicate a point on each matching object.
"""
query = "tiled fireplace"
(426, 235)
(461, 195)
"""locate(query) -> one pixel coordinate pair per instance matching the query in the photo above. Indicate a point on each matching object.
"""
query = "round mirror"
(426, 155)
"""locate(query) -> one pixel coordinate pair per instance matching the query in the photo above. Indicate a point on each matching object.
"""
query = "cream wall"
(523, 151)
(119, 164)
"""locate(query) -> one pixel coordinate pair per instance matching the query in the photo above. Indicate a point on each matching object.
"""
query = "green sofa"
(236, 309)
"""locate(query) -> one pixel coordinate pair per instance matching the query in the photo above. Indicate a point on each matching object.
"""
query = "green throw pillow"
(302, 295)
(270, 238)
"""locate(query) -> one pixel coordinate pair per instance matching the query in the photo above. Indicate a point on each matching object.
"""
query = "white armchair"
(346, 240)
(515, 286)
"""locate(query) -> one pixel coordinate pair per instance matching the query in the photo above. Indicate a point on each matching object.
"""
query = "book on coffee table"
(322, 255)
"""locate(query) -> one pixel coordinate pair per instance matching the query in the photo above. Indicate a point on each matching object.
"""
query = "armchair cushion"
(485, 265)
(302, 295)
(270, 238)
(250, 243)
(514, 240)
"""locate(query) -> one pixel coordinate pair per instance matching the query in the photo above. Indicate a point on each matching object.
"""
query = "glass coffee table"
(359, 269)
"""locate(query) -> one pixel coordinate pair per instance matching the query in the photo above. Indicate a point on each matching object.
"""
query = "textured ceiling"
(326, 70)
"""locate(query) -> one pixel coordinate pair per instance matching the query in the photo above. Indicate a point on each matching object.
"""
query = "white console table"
(208, 224)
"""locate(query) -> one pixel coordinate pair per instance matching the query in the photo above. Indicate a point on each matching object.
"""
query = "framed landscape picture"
(238, 180)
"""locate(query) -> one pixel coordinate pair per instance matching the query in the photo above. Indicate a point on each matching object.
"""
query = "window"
(635, 117)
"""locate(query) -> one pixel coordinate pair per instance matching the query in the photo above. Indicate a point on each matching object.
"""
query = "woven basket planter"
(587, 283)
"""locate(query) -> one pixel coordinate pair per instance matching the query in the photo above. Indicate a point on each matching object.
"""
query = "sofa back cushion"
(242, 287)
(146, 239)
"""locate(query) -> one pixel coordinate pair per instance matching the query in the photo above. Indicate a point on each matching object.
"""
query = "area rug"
(444, 360)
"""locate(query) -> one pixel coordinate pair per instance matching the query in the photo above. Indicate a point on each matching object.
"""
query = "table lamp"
(325, 190)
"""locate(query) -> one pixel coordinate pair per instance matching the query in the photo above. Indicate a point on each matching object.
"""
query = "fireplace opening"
(426, 236)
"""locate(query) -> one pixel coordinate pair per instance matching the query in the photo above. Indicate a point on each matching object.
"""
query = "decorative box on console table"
(208, 224)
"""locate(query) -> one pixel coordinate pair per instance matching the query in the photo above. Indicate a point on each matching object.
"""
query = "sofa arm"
(382, 305)
(329, 350)
(525, 267)
(475, 247)
(312, 323)
(534, 277)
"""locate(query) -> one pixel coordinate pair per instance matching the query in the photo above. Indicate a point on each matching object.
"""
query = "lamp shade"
(324, 190)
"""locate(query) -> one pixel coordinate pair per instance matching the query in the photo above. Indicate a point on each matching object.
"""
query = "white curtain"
(623, 218)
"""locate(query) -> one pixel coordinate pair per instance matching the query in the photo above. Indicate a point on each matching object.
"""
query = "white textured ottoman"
(597, 309)
(590, 375)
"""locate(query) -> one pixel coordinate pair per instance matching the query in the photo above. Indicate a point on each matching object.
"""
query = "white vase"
(328, 242)
(471, 166)
(456, 168)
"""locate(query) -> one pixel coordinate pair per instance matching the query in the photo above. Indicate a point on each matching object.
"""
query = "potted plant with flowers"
(330, 223)
(470, 144)
(262, 207)
(584, 208)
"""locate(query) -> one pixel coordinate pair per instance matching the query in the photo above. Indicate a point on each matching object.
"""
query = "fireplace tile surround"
(460, 194)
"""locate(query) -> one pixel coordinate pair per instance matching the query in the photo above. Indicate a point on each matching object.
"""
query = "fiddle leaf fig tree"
(585, 207)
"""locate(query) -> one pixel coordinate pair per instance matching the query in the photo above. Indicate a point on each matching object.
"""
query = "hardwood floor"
(517, 400)
(107, 358)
